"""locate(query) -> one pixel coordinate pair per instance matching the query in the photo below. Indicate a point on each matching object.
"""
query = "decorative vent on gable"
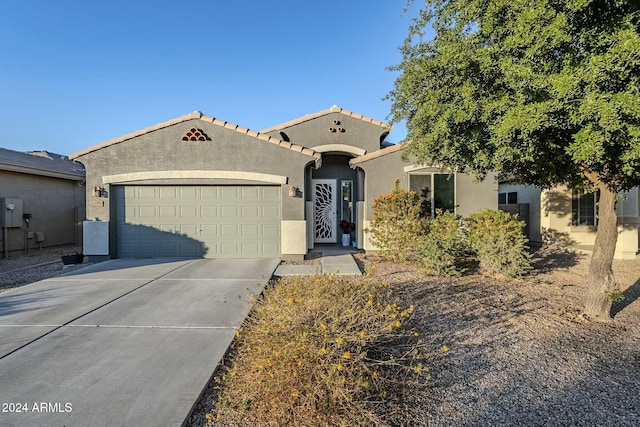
(195, 135)
(336, 127)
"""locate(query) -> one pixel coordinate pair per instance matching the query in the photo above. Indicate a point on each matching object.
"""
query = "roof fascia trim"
(334, 109)
(378, 153)
(198, 115)
(41, 172)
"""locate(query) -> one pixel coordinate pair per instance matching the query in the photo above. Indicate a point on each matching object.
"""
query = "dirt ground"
(520, 353)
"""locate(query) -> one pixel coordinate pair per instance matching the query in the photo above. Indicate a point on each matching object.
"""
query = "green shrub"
(397, 225)
(499, 243)
(320, 350)
(442, 250)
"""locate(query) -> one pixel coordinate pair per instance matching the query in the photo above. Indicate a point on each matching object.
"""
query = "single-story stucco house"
(198, 186)
(569, 216)
(42, 198)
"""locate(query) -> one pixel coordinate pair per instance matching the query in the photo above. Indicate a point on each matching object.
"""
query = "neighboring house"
(43, 201)
(570, 216)
(198, 186)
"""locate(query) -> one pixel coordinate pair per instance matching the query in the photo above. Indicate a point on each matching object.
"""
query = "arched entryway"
(332, 195)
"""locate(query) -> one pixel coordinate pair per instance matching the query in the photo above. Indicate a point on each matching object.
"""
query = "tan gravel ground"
(39, 265)
(519, 353)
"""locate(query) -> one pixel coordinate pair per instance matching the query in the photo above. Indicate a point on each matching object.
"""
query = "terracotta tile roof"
(333, 109)
(209, 119)
(42, 163)
(377, 153)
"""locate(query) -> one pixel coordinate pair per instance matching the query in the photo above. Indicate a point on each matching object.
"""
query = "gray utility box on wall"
(11, 216)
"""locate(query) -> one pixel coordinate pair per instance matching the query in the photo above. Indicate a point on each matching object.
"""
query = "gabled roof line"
(209, 119)
(41, 163)
(378, 153)
(333, 109)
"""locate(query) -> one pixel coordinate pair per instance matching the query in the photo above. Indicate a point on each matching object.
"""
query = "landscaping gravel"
(516, 352)
(40, 264)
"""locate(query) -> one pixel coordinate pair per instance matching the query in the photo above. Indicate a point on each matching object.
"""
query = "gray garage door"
(198, 221)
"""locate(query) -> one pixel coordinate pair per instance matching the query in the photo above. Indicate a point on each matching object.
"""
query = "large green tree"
(547, 91)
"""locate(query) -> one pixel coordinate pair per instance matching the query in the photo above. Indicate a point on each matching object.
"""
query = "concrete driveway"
(124, 342)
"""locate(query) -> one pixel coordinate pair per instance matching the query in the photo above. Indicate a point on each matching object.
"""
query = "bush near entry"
(442, 250)
(497, 240)
(398, 225)
(440, 246)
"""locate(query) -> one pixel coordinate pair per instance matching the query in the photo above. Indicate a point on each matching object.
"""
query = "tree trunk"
(601, 281)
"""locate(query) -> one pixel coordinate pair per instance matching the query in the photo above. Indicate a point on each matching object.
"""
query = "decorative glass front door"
(325, 204)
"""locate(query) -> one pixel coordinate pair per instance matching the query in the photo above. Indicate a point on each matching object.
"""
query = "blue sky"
(77, 73)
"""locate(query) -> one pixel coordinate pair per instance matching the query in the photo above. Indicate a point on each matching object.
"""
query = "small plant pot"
(346, 239)
(72, 259)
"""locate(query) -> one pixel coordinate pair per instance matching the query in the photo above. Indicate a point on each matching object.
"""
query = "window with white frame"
(584, 207)
(437, 188)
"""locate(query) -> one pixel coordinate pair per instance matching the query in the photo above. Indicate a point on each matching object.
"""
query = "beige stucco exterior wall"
(555, 222)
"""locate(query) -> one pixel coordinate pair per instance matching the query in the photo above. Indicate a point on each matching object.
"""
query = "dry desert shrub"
(322, 350)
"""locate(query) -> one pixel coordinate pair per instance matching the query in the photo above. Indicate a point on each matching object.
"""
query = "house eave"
(41, 172)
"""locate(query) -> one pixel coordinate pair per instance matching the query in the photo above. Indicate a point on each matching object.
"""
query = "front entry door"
(325, 206)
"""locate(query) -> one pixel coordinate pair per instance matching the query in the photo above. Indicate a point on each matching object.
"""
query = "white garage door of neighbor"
(198, 221)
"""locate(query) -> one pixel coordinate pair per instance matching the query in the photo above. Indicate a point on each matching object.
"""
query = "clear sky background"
(77, 73)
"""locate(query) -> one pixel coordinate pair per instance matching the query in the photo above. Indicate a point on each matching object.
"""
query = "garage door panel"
(250, 193)
(229, 230)
(250, 212)
(193, 221)
(209, 193)
(229, 212)
(209, 231)
(270, 194)
(188, 193)
(271, 211)
(167, 211)
(228, 193)
(128, 229)
(209, 211)
(167, 193)
(188, 211)
(151, 249)
(146, 231)
(168, 228)
(250, 248)
(270, 230)
(148, 212)
(229, 249)
(270, 248)
(190, 230)
(250, 231)
(147, 193)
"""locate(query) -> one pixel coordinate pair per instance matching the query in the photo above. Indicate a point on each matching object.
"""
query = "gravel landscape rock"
(40, 264)
(516, 352)
(504, 352)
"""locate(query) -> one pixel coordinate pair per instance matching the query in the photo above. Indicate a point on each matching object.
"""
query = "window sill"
(583, 228)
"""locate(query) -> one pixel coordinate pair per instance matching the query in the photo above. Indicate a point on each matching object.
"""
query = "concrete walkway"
(121, 343)
(334, 259)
